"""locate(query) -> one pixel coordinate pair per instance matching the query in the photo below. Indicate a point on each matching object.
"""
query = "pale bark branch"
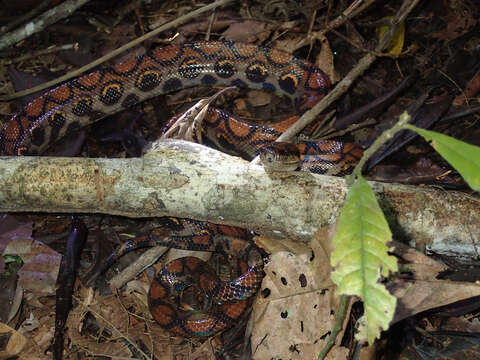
(189, 180)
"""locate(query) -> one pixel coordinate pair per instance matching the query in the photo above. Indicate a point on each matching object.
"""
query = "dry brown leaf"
(41, 263)
(40, 269)
(325, 59)
(247, 31)
(420, 295)
(15, 344)
(109, 314)
(288, 44)
(460, 20)
(295, 308)
(259, 98)
(420, 266)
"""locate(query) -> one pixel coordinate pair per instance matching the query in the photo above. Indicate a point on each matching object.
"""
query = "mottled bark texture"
(188, 180)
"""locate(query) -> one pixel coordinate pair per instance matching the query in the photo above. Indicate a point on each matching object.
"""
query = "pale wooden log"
(188, 180)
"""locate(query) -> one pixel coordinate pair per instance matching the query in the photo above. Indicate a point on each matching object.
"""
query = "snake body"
(108, 90)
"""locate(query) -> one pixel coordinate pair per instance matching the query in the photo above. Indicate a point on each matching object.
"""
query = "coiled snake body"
(91, 97)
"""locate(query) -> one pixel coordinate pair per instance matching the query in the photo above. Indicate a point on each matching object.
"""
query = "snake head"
(280, 156)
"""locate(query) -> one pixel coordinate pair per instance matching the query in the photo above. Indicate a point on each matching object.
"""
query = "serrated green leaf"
(465, 158)
(361, 254)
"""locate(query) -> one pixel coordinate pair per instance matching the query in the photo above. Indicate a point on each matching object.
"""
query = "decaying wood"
(184, 179)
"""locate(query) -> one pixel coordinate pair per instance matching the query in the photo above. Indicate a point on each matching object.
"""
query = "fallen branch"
(189, 180)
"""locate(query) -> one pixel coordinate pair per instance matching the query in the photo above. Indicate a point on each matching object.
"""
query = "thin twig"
(50, 50)
(115, 52)
(49, 17)
(337, 327)
(148, 258)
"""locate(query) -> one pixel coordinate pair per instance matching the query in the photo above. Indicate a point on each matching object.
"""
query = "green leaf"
(361, 254)
(10, 258)
(465, 158)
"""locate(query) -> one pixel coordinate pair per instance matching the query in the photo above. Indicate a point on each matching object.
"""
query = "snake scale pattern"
(108, 90)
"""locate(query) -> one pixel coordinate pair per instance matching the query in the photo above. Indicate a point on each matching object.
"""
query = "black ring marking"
(256, 72)
(148, 80)
(82, 106)
(225, 68)
(111, 93)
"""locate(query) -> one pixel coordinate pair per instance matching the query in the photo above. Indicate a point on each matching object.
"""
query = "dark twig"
(381, 102)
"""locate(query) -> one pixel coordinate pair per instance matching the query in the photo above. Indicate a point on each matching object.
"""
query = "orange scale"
(229, 230)
(201, 326)
(354, 156)
(192, 263)
(175, 266)
(189, 52)
(61, 94)
(317, 80)
(213, 49)
(239, 130)
(126, 66)
(302, 148)
(201, 239)
(353, 149)
(332, 146)
(89, 79)
(221, 127)
(35, 108)
(49, 106)
(247, 50)
(166, 54)
(190, 62)
(236, 309)
(147, 62)
(250, 279)
(11, 131)
(211, 117)
(280, 57)
(162, 314)
(206, 282)
(260, 57)
(110, 77)
(157, 291)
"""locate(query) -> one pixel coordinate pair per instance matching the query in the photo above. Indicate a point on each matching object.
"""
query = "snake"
(110, 89)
